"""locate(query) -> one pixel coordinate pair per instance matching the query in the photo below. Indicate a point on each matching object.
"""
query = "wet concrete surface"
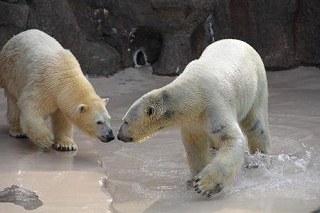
(151, 176)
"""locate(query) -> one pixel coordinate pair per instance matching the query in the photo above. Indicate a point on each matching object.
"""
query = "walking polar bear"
(42, 79)
(220, 101)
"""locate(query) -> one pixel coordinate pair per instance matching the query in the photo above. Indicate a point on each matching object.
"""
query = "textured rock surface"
(270, 26)
(109, 35)
(13, 19)
(57, 19)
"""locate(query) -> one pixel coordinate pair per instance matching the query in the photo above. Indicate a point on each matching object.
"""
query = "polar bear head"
(93, 119)
(146, 116)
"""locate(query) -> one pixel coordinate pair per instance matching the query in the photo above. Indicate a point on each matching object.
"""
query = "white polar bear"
(220, 101)
(40, 79)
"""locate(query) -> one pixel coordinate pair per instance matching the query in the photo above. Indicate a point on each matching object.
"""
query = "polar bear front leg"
(217, 174)
(197, 147)
(63, 132)
(36, 128)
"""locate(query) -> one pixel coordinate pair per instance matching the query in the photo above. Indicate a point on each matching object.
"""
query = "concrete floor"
(150, 176)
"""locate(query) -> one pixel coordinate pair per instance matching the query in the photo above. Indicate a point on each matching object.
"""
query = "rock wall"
(109, 35)
(58, 19)
(283, 32)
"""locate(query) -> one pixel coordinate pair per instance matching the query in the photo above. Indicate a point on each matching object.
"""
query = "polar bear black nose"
(108, 137)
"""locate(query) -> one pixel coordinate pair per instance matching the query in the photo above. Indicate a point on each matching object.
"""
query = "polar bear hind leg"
(34, 125)
(256, 128)
(63, 132)
(13, 115)
(256, 125)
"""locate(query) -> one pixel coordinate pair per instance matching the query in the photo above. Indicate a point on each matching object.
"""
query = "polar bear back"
(231, 71)
(33, 55)
(36, 41)
(229, 58)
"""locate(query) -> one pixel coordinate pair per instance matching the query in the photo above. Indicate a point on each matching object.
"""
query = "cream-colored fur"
(42, 79)
(220, 101)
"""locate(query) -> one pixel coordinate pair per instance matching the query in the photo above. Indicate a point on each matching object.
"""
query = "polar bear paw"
(207, 191)
(44, 143)
(65, 144)
(17, 133)
(209, 181)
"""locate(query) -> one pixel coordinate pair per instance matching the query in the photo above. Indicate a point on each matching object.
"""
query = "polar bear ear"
(150, 110)
(106, 100)
(82, 108)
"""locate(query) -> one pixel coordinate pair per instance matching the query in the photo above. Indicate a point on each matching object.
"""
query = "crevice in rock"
(145, 46)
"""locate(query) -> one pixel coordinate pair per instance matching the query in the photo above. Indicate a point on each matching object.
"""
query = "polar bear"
(220, 101)
(40, 79)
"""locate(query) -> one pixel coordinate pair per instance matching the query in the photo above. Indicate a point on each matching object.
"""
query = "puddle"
(278, 180)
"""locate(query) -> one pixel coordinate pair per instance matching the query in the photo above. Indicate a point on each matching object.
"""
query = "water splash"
(281, 174)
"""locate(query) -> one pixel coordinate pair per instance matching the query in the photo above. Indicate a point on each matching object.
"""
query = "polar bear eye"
(99, 122)
(150, 111)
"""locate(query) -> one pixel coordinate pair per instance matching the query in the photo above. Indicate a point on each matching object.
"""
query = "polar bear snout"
(123, 138)
(107, 137)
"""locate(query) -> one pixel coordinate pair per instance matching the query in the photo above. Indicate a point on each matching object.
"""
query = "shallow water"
(151, 176)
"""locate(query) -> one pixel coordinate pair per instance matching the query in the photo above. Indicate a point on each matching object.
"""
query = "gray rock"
(20, 196)
(57, 18)
(268, 25)
(13, 19)
(172, 24)
(96, 58)
(307, 32)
